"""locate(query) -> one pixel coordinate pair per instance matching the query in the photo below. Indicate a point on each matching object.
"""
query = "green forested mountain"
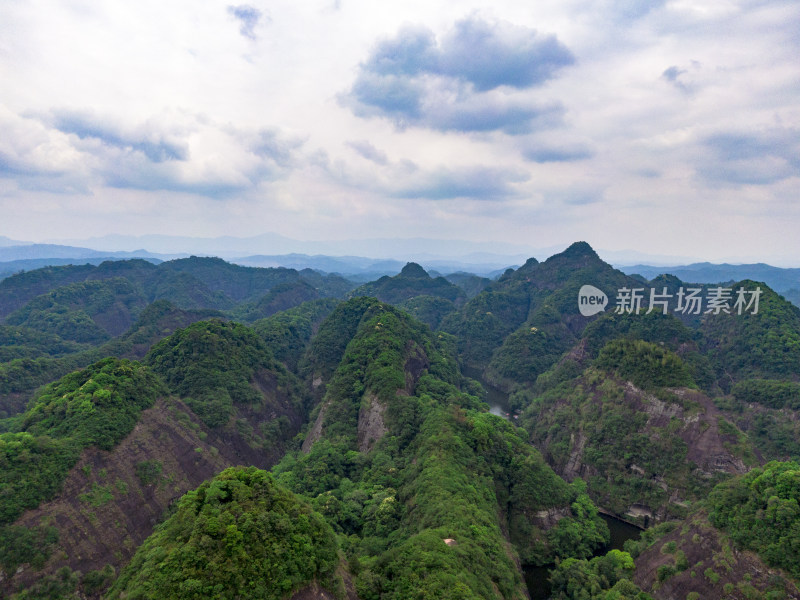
(186, 291)
(239, 535)
(740, 543)
(367, 466)
(68, 317)
(229, 378)
(281, 297)
(412, 473)
(106, 449)
(36, 357)
(24, 342)
(97, 406)
(85, 312)
(427, 298)
(189, 282)
(633, 425)
(249, 284)
(760, 512)
(17, 290)
(520, 325)
(471, 284)
(289, 332)
(762, 345)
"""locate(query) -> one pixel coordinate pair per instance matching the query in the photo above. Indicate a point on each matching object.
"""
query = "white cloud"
(628, 123)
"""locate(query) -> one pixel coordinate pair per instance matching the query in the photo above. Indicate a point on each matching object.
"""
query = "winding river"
(496, 399)
(536, 578)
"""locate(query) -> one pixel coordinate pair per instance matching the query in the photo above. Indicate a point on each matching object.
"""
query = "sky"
(665, 126)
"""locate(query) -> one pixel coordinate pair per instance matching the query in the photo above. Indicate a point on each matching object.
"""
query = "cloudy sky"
(669, 127)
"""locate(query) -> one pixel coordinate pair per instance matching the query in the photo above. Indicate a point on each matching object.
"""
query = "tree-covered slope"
(17, 290)
(740, 544)
(281, 297)
(63, 318)
(483, 323)
(247, 284)
(228, 376)
(189, 283)
(69, 321)
(362, 412)
(471, 284)
(289, 332)
(329, 344)
(431, 496)
(90, 312)
(185, 291)
(97, 406)
(23, 342)
(765, 345)
(240, 535)
(606, 577)
(431, 310)
(760, 511)
(634, 426)
(37, 358)
(756, 361)
(520, 325)
(250, 406)
(411, 282)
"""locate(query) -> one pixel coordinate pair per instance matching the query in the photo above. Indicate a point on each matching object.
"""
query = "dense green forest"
(239, 535)
(760, 512)
(198, 429)
(97, 406)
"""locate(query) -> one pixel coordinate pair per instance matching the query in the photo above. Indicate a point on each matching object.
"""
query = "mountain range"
(422, 250)
(783, 280)
(197, 428)
(441, 257)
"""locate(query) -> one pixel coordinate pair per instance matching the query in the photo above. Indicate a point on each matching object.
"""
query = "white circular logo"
(591, 300)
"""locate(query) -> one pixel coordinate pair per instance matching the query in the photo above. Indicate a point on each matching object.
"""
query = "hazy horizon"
(392, 249)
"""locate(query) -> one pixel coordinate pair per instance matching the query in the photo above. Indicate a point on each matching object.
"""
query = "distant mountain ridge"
(33, 251)
(7, 241)
(365, 260)
(419, 248)
(362, 268)
(778, 278)
(14, 259)
(7, 269)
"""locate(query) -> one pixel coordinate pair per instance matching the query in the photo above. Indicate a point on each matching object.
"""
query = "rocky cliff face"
(106, 510)
(697, 558)
(372, 413)
(641, 453)
(112, 500)
(317, 592)
(371, 424)
(416, 363)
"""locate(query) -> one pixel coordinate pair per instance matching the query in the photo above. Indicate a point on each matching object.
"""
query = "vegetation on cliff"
(238, 535)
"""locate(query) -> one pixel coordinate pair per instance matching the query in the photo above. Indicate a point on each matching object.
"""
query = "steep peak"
(665, 280)
(413, 270)
(524, 271)
(530, 262)
(578, 255)
(561, 267)
(579, 250)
